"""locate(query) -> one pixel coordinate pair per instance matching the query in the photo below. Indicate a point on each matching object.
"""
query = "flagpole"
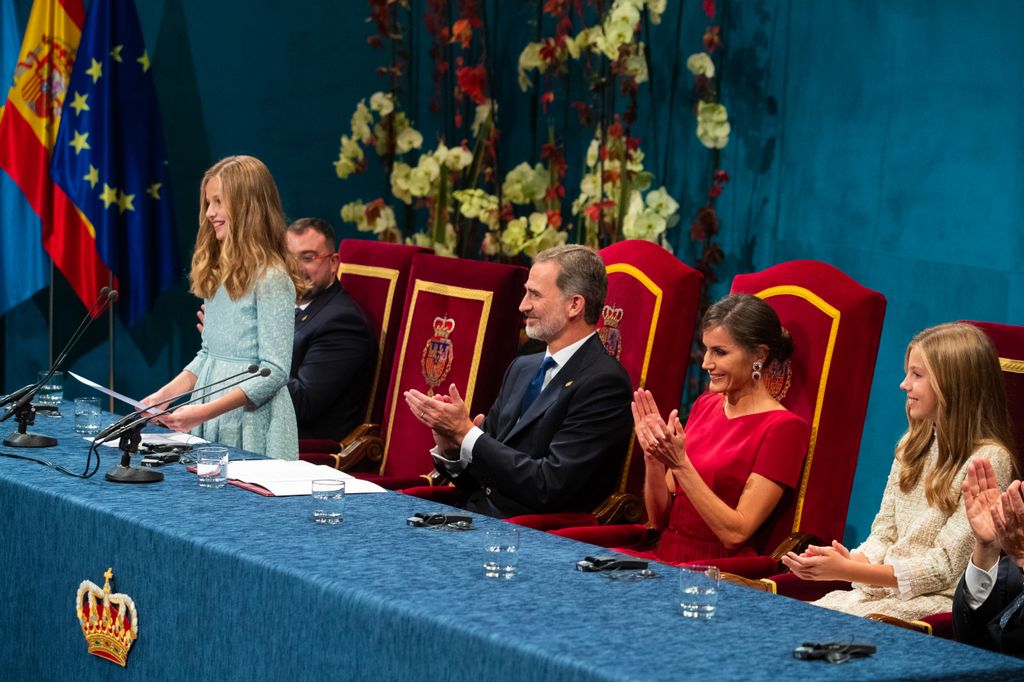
(49, 363)
(110, 343)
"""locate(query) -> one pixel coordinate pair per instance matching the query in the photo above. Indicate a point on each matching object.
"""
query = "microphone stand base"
(29, 440)
(123, 474)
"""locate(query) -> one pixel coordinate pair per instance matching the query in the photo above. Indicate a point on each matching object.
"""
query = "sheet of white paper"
(114, 394)
(285, 478)
(160, 439)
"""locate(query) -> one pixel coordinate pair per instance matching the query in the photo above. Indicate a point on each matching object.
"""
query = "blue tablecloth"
(231, 585)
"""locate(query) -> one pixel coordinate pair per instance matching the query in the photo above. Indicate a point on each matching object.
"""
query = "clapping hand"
(664, 442)
(447, 416)
(1008, 520)
(981, 491)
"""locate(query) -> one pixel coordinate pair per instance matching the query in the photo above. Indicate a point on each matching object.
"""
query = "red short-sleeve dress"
(725, 452)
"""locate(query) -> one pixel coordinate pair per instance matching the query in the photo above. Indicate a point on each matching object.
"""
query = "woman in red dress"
(710, 487)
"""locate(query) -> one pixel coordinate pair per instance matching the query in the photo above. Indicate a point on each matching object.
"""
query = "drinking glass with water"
(328, 501)
(501, 552)
(51, 393)
(212, 467)
(698, 591)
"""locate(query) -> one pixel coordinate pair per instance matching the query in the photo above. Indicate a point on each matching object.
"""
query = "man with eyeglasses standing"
(334, 353)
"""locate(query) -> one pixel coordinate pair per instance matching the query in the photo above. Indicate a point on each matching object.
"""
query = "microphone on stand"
(130, 434)
(22, 398)
(104, 295)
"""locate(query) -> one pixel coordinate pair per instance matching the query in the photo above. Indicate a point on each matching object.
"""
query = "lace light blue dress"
(257, 328)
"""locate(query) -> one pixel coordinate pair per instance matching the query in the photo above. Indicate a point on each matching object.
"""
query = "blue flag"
(110, 157)
(24, 266)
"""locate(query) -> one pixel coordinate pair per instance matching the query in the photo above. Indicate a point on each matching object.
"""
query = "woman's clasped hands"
(663, 442)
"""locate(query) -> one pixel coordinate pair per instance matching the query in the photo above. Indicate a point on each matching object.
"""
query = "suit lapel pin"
(568, 383)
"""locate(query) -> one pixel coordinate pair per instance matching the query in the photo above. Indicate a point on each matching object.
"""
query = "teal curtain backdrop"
(881, 137)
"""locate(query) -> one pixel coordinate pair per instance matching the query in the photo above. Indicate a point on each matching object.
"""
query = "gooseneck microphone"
(101, 437)
(22, 398)
(130, 433)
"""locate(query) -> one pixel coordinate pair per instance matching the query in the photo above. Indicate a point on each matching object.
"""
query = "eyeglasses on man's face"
(310, 258)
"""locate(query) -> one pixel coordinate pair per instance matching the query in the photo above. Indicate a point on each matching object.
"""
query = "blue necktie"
(536, 384)
(1012, 609)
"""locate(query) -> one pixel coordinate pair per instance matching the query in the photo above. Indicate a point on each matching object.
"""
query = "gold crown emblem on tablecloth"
(110, 622)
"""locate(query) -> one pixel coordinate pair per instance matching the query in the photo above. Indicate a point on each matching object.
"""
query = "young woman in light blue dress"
(243, 271)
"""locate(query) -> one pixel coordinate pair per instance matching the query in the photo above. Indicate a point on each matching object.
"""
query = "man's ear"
(577, 305)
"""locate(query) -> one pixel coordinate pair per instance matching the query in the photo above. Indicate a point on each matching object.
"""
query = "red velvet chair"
(1009, 343)
(648, 324)
(375, 274)
(460, 325)
(836, 325)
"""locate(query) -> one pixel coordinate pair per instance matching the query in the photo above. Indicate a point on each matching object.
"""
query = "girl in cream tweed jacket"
(920, 540)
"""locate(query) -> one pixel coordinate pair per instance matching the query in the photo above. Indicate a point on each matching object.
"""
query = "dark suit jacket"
(332, 365)
(981, 627)
(566, 452)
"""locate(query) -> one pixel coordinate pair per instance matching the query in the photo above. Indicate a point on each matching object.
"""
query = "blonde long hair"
(963, 369)
(255, 239)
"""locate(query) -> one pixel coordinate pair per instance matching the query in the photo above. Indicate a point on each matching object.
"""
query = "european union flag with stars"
(110, 157)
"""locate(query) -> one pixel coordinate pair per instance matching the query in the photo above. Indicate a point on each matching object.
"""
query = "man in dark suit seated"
(988, 607)
(334, 353)
(556, 436)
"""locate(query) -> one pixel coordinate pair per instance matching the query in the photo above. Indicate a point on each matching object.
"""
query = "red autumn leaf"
(554, 193)
(550, 49)
(704, 224)
(473, 81)
(546, 99)
(712, 39)
(593, 212)
(373, 209)
(462, 33)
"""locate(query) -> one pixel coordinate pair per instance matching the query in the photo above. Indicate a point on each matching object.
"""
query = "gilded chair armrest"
(362, 448)
(915, 625)
(762, 585)
(620, 508)
(795, 542)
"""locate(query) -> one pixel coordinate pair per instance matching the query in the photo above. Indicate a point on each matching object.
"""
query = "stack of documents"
(283, 478)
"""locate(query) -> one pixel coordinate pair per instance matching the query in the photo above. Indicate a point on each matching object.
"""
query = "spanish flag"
(28, 132)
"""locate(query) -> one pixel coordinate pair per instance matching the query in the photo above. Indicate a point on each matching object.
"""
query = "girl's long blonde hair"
(255, 239)
(963, 369)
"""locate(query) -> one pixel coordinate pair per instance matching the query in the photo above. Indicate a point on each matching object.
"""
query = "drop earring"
(756, 374)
